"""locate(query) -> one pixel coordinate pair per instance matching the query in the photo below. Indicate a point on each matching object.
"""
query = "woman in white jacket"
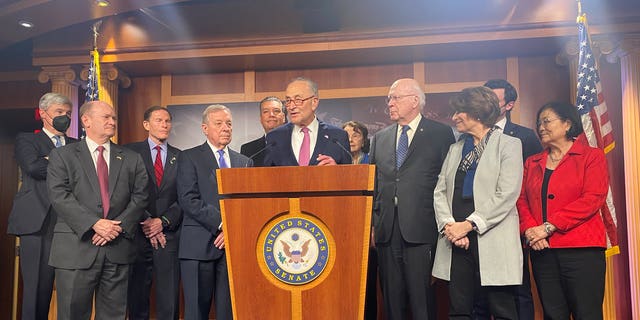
(479, 249)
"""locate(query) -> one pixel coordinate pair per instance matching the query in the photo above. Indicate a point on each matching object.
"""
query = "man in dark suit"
(158, 235)
(98, 190)
(305, 141)
(271, 116)
(202, 258)
(32, 218)
(507, 96)
(408, 156)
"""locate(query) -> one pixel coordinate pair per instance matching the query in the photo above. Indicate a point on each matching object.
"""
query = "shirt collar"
(502, 123)
(313, 126)
(413, 124)
(152, 144)
(94, 145)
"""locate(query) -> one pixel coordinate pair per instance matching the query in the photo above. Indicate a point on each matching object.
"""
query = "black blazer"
(530, 143)
(31, 204)
(199, 199)
(163, 200)
(75, 195)
(331, 141)
(255, 150)
(413, 183)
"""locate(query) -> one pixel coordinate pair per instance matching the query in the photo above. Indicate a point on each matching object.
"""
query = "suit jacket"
(496, 187)
(530, 143)
(329, 142)
(31, 204)
(198, 197)
(412, 183)
(163, 200)
(255, 150)
(75, 195)
(577, 189)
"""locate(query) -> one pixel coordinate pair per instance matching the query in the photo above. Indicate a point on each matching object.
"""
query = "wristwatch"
(165, 222)
(548, 228)
(473, 225)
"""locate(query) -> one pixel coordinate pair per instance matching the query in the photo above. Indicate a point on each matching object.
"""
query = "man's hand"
(219, 242)
(151, 227)
(462, 243)
(324, 160)
(98, 240)
(107, 229)
(158, 240)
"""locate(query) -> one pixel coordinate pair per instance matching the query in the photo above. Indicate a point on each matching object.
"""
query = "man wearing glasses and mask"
(305, 141)
(32, 217)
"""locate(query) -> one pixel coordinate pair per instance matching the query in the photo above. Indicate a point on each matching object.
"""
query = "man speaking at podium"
(305, 141)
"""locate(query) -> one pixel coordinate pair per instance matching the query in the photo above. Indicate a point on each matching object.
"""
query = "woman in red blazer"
(563, 189)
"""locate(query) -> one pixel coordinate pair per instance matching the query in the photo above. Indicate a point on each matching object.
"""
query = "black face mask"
(61, 123)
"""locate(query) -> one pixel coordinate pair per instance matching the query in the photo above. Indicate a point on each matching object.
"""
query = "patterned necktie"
(304, 155)
(103, 180)
(221, 162)
(157, 165)
(58, 143)
(403, 147)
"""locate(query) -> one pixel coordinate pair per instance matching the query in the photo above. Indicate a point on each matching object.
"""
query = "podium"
(297, 240)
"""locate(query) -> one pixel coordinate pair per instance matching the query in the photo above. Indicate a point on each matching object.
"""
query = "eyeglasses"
(545, 122)
(396, 98)
(297, 101)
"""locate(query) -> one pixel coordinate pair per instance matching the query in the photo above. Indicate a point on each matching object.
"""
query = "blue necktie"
(403, 146)
(58, 143)
(222, 163)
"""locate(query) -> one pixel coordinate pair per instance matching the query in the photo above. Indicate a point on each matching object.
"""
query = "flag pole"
(96, 55)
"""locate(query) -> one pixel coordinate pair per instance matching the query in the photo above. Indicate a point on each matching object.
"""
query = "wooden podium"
(297, 240)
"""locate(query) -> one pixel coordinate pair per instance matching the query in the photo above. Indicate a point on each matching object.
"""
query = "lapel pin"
(119, 157)
(173, 160)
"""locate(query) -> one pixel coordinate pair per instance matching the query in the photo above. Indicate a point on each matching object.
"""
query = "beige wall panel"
(336, 78)
(207, 83)
(464, 70)
(143, 93)
(541, 81)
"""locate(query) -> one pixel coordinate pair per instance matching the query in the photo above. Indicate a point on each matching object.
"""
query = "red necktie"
(303, 157)
(103, 180)
(159, 170)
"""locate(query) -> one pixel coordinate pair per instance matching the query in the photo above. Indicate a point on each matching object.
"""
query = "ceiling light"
(103, 3)
(26, 24)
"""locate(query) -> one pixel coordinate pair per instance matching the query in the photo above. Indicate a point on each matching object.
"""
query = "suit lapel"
(509, 129)
(115, 164)
(43, 139)
(321, 143)
(145, 152)
(86, 162)
(169, 166)
(291, 155)
(417, 137)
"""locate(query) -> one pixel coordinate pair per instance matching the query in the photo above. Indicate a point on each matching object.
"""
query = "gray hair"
(271, 98)
(211, 109)
(51, 98)
(311, 83)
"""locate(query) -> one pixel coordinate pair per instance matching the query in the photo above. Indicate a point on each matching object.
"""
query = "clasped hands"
(106, 231)
(456, 232)
(536, 237)
(152, 228)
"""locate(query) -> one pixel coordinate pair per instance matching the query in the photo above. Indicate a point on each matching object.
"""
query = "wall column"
(629, 54)
(63, 82)
(111, 80)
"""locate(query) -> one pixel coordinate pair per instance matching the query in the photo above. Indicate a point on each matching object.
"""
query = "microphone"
(334, 140)
(269, 145)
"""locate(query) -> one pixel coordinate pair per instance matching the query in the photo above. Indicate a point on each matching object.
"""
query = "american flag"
(93, 79)
(93, 84)
(595, 120)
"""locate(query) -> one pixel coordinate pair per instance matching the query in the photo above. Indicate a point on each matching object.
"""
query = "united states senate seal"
(296, 251)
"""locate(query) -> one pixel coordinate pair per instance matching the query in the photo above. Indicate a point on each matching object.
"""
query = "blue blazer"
(332, 141)
(199, 199)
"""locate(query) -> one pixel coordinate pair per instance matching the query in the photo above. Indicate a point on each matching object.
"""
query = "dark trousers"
(202, 281)
(570, 282)
(524, 298)
(405, 276)
(371, 295)
(76, 288)
(37, 275)
(163, 266)
(465, 288)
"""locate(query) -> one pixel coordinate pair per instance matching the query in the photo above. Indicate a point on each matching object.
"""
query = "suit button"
(551, 196)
